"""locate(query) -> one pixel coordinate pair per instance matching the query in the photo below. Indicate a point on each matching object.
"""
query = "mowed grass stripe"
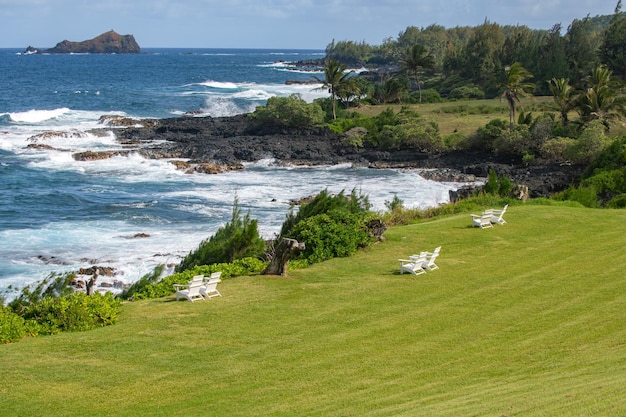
(522, 319)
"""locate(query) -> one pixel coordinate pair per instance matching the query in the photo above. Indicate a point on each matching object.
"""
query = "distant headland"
(109, 42)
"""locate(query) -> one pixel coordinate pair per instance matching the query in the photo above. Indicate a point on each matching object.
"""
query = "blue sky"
(310, 24)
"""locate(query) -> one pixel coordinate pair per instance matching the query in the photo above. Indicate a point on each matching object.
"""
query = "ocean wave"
(219, 85)
(37, 116)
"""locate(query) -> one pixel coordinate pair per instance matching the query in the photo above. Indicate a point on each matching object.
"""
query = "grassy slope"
(467, 116)
(526, 319)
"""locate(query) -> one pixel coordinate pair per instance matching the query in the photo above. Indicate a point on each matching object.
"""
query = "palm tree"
(603, 98)
(416, 58)
(562, 94)
(335, 77)
(515, 87)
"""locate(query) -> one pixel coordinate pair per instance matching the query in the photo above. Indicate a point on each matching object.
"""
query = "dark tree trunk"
(282, 254)
(92, 283)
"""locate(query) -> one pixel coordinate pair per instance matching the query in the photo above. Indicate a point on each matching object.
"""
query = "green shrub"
(587, 196)
(495, 185)
(429, 95)
(617, 202)
(336, 233)
(165, 287)
(323, 203)
(454, 140)
(407, 130)
(612, 157)
(466, 92)
(75, 312)
(329, 226)
(590, 144)
(237, 239)
(487, 136)
(555, 148)
(515, 142)
(608, 181)
(12, 326)
(394, 204)
(54, 285)
(290, 111)
(143, 282)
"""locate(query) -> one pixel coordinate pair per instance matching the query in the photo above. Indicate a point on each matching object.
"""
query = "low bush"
(466, 92)
(329, 225)
(165, 286)
(590, 144)
(75, 312)
(12, 326)
(585, 195)
(407, 129)
(336, 233)
(290, 111)
(555, 148)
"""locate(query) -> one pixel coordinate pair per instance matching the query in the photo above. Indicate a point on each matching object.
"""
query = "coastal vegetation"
(471, 338)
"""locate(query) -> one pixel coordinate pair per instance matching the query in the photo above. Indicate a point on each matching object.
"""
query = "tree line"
(446, 59)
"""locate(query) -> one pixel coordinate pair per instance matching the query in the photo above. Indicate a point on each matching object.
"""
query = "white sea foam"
(37, 116)
(217, 106)
(221, 85)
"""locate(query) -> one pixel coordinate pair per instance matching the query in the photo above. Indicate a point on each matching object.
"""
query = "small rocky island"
(109, 42)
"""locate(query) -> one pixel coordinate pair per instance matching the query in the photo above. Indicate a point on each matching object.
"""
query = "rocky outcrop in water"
(110, 42)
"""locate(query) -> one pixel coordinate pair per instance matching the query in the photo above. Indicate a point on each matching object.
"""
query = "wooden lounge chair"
(190, 291)
(483, 221)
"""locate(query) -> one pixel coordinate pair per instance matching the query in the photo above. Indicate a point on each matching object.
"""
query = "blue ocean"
(129, 213)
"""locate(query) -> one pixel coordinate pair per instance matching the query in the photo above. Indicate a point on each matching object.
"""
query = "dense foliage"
(237, 239)
(605, 183)
(329, 225)
(448, 59)
(52, 307)
(290, 111)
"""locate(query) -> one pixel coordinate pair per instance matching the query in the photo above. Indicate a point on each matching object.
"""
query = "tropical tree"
(581, 48)
(335, 78)
(416, 58)
(480, 57)
(613, 49)
(602, 99)
(562, 94)
(515, 87)
(550, 61)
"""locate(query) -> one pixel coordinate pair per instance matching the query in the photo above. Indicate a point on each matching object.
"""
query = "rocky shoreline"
(215, 145)
(206, 145)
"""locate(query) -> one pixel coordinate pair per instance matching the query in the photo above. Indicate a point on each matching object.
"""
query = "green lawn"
(467, 116)
(526, 319)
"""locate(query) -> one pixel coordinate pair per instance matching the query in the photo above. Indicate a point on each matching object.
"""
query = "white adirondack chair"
(496, 215)
(190, 291)
(413, 265)
(429, 263)
(209, 288)
(483, 221)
